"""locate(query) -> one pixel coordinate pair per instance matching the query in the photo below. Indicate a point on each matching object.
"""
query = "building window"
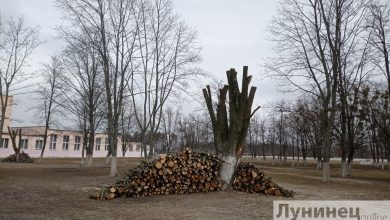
(65, 142)
(138, 147)
(53, 141)
(38, 144)
(23, 144)
(106, 144)
(77, 143)
(4, 143)
(98, 141)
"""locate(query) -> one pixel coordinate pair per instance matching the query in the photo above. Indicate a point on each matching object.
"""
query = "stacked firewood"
(23, 158)
(180, 173)
(184, 173)
(250, 179)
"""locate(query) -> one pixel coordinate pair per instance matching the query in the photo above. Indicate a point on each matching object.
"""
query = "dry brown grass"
(59, 189)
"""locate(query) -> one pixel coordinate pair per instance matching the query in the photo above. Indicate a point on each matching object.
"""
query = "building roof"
(40, 131)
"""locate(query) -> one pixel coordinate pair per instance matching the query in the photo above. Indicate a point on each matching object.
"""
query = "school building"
(60, 143)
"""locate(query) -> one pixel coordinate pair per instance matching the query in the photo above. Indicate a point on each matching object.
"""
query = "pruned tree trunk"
(230, 132)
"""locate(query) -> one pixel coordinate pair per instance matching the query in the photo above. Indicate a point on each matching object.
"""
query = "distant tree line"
(336, 53)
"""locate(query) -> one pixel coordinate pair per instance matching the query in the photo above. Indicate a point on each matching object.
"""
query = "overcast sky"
(232, 34)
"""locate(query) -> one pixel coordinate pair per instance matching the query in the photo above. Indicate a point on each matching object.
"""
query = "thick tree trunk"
(344, 171)
(228, 169)
(230, 132)
(89, 160)
(325, 172)
(114, 165)
(89, 149)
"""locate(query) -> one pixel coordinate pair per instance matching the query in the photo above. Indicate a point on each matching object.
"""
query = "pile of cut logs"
(181, 173)
(23, 158)
(184, 173)
(250, 179)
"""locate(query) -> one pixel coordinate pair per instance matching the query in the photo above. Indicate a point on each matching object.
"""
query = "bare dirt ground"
(60, 189)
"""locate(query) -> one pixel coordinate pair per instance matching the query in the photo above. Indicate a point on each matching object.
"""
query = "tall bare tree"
(313, 39)
(17, 42)
(84, 95)
(252, 137)
(127, 126)
(168, 51)
(49, 93)
(272, 137)
(107, 24)
(379, 23)
(170, 121)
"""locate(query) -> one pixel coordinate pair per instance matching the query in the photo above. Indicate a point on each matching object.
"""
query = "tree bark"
(344, 171)
(13, 134)
(114, 165)
(325, 171)
(89, 160)
(228, 168)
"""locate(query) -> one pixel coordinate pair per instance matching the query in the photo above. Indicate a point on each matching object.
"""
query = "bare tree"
(379, 23)
(375, 104)
(281, 108)
(262, 133)
(127, 125)
(168, 52)
(254, 136)
(108, 26)
(17, 42)
(272, 137)
(49, 92)
(313, 40)
(170, 127)
(84, 92)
